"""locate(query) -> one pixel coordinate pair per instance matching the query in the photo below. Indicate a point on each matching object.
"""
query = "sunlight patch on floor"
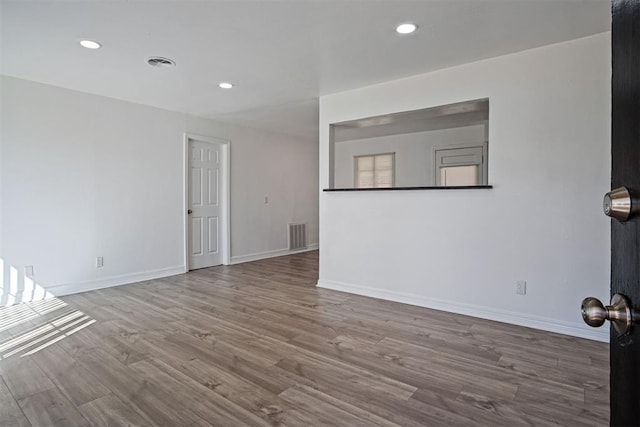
(45, 332)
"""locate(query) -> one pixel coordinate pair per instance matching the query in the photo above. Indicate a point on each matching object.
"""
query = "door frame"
(484, 165)
(225, 234)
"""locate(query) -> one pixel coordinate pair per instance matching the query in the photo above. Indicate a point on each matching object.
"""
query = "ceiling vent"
(160, 62)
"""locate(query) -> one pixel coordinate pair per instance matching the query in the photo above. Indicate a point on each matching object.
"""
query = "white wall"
(464, 250)
(86, 176)
(414, 153)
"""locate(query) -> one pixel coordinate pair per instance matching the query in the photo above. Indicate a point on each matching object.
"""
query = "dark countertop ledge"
(465, 187)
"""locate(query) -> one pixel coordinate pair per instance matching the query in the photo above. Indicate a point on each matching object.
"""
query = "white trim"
(536, 322)
(107, 282)
(226, 194)
(484, 164)
(270, 254)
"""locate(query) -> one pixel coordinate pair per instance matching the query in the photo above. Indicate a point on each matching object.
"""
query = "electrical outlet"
(28, 270)
(266, 200)
(521, 287)
(99, 262)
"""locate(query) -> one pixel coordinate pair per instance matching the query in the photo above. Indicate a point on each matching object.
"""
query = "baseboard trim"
(270, 254)
(107, 282)
(530, 321)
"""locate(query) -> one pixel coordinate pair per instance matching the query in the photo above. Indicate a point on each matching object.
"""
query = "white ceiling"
(281, 55)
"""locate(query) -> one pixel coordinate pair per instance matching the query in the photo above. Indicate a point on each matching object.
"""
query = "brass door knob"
(619, 313)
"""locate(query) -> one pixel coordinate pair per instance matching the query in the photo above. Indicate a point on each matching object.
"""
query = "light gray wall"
(86, 176)
(464, 250)
(414, 153)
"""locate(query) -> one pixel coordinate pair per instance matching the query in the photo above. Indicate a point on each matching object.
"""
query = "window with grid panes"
(374, 171)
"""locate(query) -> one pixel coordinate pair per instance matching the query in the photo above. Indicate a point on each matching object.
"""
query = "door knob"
(619, 313)
(619, 204)
(189, 211)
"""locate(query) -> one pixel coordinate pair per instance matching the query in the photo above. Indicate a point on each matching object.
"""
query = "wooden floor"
(258, 344)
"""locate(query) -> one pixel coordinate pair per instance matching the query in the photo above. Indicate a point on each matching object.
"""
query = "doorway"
(206, 202)
(460, 165)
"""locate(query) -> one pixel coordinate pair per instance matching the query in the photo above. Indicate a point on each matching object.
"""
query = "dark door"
(625, 236)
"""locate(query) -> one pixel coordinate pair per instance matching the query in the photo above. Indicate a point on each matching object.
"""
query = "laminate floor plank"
(51, 408)
(252, 372)
(110, 411)
(199, 400)
(10, 413)
(387, 364)
(339, 374)
(234, 387)
(77, 384)
(330, 410)
(155, 403)
(259, 344)
(23, 377)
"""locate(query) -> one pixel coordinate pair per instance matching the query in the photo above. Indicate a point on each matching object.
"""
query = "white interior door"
(461, 166)
(204, 204)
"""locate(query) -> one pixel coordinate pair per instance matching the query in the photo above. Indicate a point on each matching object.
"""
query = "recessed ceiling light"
(225, 85)
(406, 28)
(90, 44)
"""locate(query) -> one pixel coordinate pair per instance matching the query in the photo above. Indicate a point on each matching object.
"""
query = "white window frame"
(374, 155)
(483, 168)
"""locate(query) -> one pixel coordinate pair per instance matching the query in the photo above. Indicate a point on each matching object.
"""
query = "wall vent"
(297, 235)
